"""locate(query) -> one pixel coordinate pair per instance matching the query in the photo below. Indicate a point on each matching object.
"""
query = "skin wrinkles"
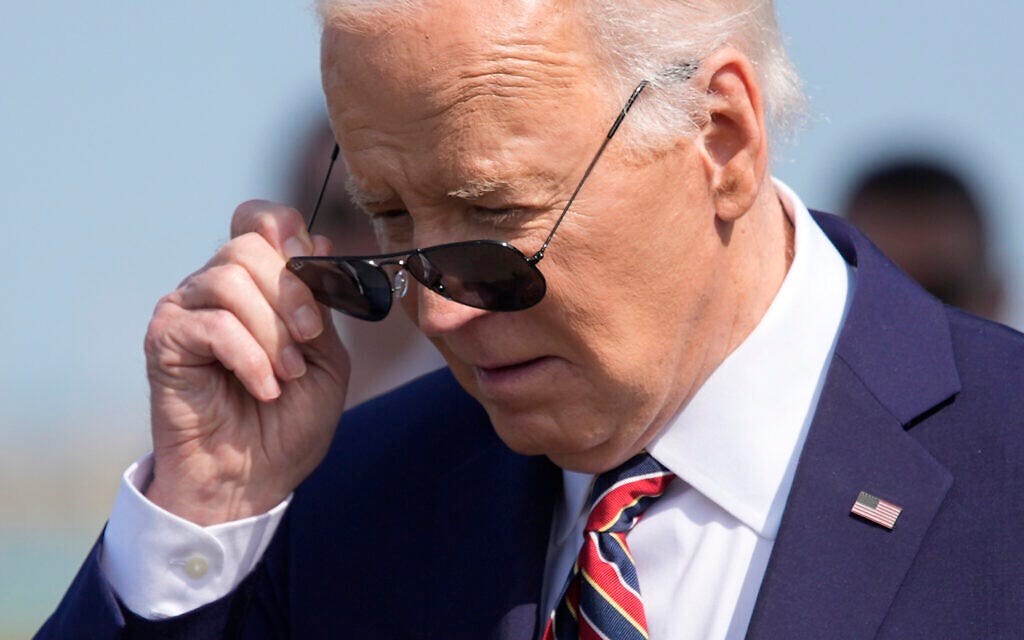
(536, 191)
(648, 284)
(507, 183)
(481, 340)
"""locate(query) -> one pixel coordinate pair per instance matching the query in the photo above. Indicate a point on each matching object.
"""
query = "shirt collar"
(738, 439)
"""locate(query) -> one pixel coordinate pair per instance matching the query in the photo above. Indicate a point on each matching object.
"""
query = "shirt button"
(196, 567)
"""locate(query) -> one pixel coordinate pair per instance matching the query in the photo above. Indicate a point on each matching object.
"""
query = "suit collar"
(833, 574)
(896, 337)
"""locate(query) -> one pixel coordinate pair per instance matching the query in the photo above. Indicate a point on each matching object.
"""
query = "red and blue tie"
(601, 599)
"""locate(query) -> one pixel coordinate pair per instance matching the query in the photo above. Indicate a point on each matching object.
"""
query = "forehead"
(472, 94)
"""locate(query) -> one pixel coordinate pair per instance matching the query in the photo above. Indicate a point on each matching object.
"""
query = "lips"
(498, 368)
(514, 378)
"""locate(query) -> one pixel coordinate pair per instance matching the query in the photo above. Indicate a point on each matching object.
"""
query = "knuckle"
(248, 244)
(151, 344)
(163, 313)
(266, 225)
(213, 288)
(241, 219)
(230, 276)
(166, 315)
(217, 323)
(229, 251)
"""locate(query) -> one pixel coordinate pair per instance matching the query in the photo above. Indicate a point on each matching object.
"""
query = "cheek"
(598, 313)
(628, 297)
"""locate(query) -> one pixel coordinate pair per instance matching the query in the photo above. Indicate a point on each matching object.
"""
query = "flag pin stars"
(876, 510)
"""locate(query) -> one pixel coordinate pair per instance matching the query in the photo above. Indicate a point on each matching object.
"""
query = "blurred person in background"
(384, 354)
(933, 224)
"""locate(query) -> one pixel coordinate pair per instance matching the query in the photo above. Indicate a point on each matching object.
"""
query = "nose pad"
(400, 283)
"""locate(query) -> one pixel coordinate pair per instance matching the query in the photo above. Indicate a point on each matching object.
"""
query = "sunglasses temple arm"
(537, 257)
(323, 189)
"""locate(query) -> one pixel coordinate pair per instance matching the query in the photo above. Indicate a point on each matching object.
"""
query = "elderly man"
(757, 425)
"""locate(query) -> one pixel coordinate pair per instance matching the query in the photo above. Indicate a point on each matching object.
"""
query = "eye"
(389, 215)
(393, 227)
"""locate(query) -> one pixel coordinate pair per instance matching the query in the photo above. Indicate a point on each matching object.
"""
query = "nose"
(436, 315)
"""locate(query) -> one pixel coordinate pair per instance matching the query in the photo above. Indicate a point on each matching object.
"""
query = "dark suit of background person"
(922, 404)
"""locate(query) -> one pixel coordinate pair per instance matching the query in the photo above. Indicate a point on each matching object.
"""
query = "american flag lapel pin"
(876, 510)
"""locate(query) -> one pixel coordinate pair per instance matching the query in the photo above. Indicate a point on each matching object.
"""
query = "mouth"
(515, 379)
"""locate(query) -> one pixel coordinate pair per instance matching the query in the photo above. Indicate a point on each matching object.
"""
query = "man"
(684, 306)
(925, 217)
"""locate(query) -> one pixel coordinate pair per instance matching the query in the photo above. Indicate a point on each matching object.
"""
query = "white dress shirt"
(701, 549)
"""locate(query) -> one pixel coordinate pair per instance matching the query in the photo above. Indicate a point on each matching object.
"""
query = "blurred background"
(130, 130)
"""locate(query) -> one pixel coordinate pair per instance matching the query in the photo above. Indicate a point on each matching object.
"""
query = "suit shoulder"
(988, 354)
(979, 432)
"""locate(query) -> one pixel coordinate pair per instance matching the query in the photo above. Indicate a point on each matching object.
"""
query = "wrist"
(205, 498)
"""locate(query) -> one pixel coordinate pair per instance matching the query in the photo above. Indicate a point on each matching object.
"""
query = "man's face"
(478, 124)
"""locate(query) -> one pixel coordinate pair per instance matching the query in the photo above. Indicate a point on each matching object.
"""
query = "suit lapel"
(833, 574)
(492, 522)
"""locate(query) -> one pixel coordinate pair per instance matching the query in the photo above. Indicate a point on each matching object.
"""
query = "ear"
(733, 141)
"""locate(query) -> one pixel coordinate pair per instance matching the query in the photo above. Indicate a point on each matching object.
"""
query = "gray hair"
(657, 40)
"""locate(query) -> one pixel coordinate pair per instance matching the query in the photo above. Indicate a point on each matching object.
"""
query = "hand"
(247, 375)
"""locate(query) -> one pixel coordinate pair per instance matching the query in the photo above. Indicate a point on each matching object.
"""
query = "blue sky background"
(129, 131)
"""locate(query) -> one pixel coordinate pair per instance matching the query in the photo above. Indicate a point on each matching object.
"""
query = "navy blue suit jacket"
(420, 523)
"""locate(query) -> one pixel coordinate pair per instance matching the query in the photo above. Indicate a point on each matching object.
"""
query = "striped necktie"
(601, 599)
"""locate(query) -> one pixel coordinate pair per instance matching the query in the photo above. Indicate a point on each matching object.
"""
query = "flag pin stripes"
(876, 510)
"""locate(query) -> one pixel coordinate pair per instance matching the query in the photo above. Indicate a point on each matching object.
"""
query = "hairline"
(628, 47)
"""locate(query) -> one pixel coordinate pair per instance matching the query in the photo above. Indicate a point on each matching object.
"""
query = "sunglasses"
(485, 274)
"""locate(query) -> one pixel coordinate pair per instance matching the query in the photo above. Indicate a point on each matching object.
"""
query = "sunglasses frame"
(379, 261)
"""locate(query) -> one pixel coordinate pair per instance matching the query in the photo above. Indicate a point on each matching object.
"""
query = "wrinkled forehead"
(453, 61)
(440, 89)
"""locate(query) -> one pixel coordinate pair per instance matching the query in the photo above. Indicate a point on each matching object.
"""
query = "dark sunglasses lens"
(486, 275)
(350, 286)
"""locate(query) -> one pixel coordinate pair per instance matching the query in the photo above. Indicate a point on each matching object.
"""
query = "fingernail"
(295, 247)
(271, 390)
(293, 362)
(308, 323)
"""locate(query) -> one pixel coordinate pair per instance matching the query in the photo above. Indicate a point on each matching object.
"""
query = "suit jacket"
(420, 523)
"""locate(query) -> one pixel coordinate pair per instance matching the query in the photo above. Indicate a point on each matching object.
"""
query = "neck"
(764, 245)
(759, 249)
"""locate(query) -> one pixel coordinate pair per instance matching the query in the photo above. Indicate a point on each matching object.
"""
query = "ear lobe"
(733, 141)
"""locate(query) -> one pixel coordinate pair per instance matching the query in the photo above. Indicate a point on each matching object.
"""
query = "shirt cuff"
(161, 565)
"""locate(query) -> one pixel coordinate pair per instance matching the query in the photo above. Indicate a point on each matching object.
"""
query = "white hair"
(656, 40)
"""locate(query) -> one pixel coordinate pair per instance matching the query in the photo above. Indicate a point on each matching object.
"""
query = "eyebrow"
(471, 190)
(478, 188)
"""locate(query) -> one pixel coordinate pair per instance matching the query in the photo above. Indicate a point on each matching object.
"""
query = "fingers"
(232, 288)
(251, 257)
(246, 310)
(179, 339)
(282, 227)
(322, 246)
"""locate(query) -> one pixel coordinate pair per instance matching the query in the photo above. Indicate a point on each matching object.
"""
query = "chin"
(593, 461)
(540, 434)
